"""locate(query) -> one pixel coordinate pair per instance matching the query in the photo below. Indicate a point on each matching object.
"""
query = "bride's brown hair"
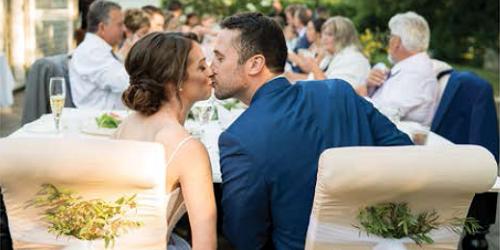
(157, 66)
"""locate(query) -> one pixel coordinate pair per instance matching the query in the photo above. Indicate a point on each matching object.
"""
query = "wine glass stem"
(58, 126)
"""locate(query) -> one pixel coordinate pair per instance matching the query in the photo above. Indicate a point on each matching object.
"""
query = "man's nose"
(210, 71)
(213, 68)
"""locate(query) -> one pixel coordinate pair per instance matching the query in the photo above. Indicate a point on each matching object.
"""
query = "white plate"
(42, 126)
(90, 127)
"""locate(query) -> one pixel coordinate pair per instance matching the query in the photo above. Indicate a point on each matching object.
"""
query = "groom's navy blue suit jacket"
(269, 156)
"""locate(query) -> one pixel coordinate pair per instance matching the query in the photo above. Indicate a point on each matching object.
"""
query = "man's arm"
(112, 75)
(385, 133)
(245, 200)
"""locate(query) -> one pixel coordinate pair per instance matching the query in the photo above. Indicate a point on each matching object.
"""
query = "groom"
(269, 155)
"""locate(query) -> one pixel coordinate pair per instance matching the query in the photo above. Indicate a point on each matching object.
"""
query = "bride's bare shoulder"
(171, 133)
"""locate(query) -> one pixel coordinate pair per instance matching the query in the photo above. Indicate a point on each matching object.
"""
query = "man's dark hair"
(151, 10)
(318, 23)
(258, 35)
(321, 12)
(291, 9)
(174, 5)
(302, 14)
(99, 13)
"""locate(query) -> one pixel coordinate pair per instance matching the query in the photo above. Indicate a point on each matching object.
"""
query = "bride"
(168, 73)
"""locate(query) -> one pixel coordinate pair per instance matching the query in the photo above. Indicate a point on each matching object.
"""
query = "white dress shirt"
(349, 65)
(411, 88)
(97, 77)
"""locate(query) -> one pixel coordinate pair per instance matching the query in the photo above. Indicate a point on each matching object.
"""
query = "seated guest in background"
(156, 18)
(300, 19)
(313, 35)
(289, 29)
(269, 155)
(136, 26)
(207, 31)
(97, 76)
(321, 12)
(411, 86)
(278, 10)
(339, 38)
(171, 23)
(192, 21)
(207, 28)
(316, 51)
(168, 73)
(174, 9)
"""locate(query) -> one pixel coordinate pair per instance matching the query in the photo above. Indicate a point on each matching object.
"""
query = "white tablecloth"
(6, 83)
(433, 139)
(74, 120)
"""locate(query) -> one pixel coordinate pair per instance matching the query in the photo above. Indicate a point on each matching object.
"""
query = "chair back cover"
(93, 169)
(428, 178)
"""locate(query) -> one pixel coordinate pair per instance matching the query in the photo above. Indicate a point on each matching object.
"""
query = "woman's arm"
(310, 65)
(195, 177)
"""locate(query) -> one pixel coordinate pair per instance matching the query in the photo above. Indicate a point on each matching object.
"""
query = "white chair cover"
(438, 67)
(93, 168)
(442, 178)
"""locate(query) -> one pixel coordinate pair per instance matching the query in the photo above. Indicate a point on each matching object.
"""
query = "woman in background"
(137, 25)
(339, 38)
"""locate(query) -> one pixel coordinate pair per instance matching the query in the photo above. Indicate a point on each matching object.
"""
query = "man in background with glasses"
(410, 86)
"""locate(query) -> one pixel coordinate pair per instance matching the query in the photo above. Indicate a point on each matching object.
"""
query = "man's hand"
(376, 78)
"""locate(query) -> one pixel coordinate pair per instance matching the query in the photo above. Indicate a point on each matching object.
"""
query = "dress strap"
(177, 148)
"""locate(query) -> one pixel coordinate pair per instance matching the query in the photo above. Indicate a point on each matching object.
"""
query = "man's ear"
(255, 64)
(398, 42)
(100, 27)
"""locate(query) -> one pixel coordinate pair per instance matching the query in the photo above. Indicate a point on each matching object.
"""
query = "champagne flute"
(57, 90)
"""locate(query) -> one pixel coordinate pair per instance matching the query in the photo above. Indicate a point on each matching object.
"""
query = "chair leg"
(483, 208)
(475, 242)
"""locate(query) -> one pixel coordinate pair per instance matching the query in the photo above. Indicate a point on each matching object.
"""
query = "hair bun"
(144, 95)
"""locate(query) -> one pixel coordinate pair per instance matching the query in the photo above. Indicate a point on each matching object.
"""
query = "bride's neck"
(176, 109)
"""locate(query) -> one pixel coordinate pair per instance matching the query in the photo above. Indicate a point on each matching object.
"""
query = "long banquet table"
(75, 123)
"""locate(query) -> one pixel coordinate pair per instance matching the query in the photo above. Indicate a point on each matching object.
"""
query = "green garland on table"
(69, 215)
(396, 221)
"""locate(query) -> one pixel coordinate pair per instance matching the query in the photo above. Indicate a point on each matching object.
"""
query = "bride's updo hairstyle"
(157, 66)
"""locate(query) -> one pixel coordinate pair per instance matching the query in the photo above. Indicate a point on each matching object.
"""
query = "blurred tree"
(461, 30)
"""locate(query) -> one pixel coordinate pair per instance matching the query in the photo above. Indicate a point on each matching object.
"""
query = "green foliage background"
(461, 29)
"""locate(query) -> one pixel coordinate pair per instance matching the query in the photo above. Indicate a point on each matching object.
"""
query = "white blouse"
(349, 65)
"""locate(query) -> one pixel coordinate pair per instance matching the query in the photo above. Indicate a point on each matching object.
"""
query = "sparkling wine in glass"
(57, 89)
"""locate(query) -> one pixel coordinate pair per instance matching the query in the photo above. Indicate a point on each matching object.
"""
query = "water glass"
(203, 112)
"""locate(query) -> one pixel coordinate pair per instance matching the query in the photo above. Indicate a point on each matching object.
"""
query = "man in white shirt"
(410, 87)
(98, 78)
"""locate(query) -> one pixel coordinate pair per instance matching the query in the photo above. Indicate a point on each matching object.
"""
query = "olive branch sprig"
(396, 220)
(70, 215)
